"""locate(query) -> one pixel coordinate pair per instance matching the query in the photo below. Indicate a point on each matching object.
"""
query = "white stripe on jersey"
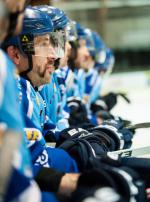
(30, 194)
(30, 106)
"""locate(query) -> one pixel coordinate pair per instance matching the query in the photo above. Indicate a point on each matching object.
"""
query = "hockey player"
(54, 92)
(77, 61)
(15, 176)
(92, 79)
(41, 53)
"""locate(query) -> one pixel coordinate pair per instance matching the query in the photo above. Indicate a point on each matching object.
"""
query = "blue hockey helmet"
(98, 42)
(108, 64)
(62, 25)
(36, 38)
(100, 48)
(35, 23)
(90, 42)
(80, 31)
(58, 17)
(86, 34)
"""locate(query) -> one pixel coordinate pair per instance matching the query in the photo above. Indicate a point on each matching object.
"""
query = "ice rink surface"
(137, 87)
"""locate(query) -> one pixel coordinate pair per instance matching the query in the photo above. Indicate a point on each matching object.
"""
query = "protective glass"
(89, 40)
(101, 56)
(71, 31)
(58, 39)
(44, 45)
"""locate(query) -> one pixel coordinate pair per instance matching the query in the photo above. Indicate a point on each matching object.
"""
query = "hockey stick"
(133, 151)
(136, 152)
(138, 126)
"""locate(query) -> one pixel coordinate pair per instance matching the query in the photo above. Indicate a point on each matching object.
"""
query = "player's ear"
(14, 54)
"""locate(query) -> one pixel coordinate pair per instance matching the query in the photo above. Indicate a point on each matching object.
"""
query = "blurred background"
(124, 25)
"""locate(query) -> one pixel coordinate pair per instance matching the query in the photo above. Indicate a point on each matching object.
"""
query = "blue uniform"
(62, 121)
(80, 75)
(75, 82)
(70, 81)
(34, 109)
(93, 84)
(54, 97)
(10, 114)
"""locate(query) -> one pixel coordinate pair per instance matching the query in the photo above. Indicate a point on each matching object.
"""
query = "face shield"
(101, 56)
(107, 66)
(58, 39)
(45, 45)
(90, 44)
(89, 41)
(71, 32)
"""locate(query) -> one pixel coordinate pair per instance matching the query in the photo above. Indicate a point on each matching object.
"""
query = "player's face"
(43, 60)
(82, 54)
(64, 60)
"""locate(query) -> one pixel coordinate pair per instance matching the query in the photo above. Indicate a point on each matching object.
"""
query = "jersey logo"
(43, 159)
(32, 135)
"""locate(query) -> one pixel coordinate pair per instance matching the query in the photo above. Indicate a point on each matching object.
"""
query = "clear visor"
(58, 38)
(101, 57)
(71, 31)
(110, 65)
(90, 44)
(47, 45)
(89, 41)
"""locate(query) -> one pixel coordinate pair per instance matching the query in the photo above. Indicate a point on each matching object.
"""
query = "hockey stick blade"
(136, 152)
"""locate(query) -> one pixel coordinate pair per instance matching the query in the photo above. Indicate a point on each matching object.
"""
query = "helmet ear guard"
(26, 44)
(58, 17)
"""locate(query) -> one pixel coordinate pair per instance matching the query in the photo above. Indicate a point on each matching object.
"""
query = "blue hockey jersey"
(10, 113)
